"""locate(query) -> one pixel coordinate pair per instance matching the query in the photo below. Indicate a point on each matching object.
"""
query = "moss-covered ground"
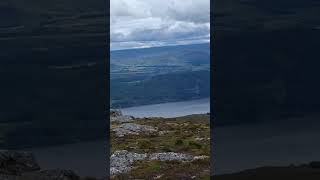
(188, 134)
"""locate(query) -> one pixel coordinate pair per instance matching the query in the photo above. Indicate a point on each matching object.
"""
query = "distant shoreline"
(170, 109)
(160, 46)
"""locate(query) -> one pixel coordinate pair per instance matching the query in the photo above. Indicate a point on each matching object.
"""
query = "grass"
(180, 136)
(168, 170)
(189, 134)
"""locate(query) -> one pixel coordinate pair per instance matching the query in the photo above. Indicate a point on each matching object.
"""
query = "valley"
(159, 75)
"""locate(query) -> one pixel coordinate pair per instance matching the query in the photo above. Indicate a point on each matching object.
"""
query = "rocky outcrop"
(122, 161)
(121, 119)
(16, 163)
(115, 113)
(133, 129)
(170, 156)
(159, 148)
(126, 127)
(117, 116)
(23, 166)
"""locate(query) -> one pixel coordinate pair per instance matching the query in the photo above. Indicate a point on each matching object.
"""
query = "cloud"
(147, 23)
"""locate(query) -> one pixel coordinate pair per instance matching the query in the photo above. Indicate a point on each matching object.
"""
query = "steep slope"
(52, 71)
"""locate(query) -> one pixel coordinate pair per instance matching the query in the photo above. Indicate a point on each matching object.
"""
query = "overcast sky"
(148, 23)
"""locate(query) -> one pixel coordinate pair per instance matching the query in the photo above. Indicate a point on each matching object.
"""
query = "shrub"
(179, 142)
(195, 145)
(144, 144)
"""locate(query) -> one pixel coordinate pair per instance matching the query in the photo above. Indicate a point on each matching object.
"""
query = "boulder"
(117, 116)
(170, 156)
(121, 119)
(16, 163)
(133, 129)
(115, 113)
(121, 161)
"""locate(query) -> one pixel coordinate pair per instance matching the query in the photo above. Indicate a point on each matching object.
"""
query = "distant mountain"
(160, 74)
(159, 60)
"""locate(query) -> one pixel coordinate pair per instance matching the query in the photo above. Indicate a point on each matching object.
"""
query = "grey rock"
(161, 133)
(200, 158)
(115, 113)
(171, 156)
(117, 116)
(158, 177)
(132, 128)
(16, 163)
(121, 132)
(121, 119)
(121, 161)
(199, 139)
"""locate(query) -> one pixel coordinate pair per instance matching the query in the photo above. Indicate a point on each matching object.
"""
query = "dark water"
(173, 109)
(236, 148)
(86, 159)
(276, 143)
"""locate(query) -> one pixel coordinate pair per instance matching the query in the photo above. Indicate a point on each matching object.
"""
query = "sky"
(150, 23)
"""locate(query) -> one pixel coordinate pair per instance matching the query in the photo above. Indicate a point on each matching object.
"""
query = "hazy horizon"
(133, 48)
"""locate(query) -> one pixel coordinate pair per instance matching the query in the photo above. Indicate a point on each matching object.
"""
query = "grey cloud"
(165, 34)
(190, 11)
(197, 11)
(144, 23)
(171, 31)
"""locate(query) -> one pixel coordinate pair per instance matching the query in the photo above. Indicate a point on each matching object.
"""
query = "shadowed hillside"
(310, 171)
(266, 72)
(272, 71)
(52, 68)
